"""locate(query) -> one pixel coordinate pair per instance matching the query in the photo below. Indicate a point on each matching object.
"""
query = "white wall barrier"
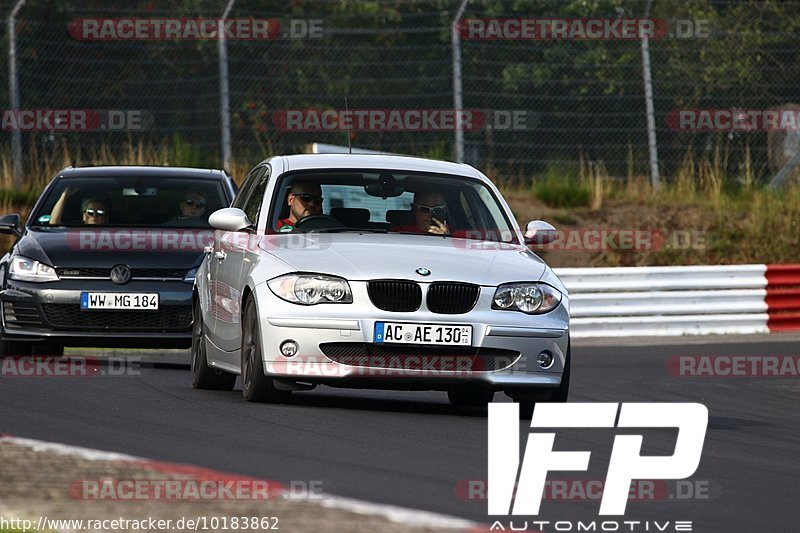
(666, 301)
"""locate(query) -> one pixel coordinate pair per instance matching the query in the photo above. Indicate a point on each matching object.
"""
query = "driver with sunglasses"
(193, 205)
(305, 200)
(427, 204)
(94, 210)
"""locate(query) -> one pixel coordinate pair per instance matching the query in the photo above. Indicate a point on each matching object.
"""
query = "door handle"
(220, 255)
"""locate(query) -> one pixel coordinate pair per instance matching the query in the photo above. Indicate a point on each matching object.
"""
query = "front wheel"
(203, 376)
(560, 394)
(256, 386)
(470, 396)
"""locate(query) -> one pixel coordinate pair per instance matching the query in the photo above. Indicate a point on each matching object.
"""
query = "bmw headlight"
(24, 269)
(311, 289)
(530, 298)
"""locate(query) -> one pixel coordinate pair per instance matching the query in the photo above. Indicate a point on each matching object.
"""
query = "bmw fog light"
(545, 360)
(289, 348)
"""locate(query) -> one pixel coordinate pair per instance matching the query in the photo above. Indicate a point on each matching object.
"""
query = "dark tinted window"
(140, 201)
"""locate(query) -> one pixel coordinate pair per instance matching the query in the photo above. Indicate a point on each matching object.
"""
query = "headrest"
(398, 217)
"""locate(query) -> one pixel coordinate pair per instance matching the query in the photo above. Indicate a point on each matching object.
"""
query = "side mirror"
(539, 232)
(10, 224)
(230, 219)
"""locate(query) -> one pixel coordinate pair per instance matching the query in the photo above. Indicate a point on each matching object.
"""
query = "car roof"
(125, 171)
(375, 161)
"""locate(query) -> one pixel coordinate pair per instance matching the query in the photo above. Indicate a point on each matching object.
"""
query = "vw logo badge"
(422, 271)
(120, 274)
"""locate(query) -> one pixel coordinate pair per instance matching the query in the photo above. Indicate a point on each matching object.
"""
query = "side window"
(247, 186)
(254, 200)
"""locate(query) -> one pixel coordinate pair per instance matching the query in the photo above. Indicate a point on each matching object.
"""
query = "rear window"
(135, 201)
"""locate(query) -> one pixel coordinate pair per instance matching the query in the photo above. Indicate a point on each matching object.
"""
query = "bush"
(561, 193)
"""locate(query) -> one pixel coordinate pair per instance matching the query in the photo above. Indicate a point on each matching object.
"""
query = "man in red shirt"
(305, 200)
(422, 210)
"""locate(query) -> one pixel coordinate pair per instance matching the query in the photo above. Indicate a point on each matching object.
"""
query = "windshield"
(390, 201)
(131, 201)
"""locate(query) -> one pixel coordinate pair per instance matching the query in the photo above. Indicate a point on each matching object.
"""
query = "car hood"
(361, 257)
(106, 247)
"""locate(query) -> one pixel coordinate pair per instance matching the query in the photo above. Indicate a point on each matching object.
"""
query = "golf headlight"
(23, 269)
(311, 289)
(530, 298)
(190, 276)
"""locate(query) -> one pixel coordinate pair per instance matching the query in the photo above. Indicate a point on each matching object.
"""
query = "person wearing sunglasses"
(192, 205)
(428, 214)
(305, 200)
(94, 210)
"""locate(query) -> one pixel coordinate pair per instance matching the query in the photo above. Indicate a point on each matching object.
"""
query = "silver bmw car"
(374, 271)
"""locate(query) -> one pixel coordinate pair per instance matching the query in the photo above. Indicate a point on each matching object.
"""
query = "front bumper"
(336, 346)
(52, 312)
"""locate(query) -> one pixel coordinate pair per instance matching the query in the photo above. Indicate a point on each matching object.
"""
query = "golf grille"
(21, 314)
(136, 273)
(174, 318)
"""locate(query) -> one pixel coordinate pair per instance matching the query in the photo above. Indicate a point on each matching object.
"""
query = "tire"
(526, 409)
(256, 386)
(561, 394)
(203, 376)
(470, 396)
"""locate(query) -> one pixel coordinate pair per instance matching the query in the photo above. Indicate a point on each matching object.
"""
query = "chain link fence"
(537, 101)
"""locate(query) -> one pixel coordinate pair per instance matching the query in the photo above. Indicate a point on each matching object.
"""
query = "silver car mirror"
(540, 232)
(230, 219)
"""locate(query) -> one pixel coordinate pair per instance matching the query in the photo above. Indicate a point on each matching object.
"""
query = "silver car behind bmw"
(372, 271)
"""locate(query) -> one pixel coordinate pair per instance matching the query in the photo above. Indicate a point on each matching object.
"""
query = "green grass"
(562, 193)
(18, 197)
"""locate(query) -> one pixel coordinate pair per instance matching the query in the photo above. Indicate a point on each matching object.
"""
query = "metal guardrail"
(683, 300)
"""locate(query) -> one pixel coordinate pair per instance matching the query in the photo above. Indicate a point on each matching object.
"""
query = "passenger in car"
(305, 200)
(428, 214)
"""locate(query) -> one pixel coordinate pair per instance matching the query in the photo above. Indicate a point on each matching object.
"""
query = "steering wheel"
(317, 222)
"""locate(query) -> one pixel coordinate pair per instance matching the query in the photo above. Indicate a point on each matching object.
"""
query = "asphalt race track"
(415, 450)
